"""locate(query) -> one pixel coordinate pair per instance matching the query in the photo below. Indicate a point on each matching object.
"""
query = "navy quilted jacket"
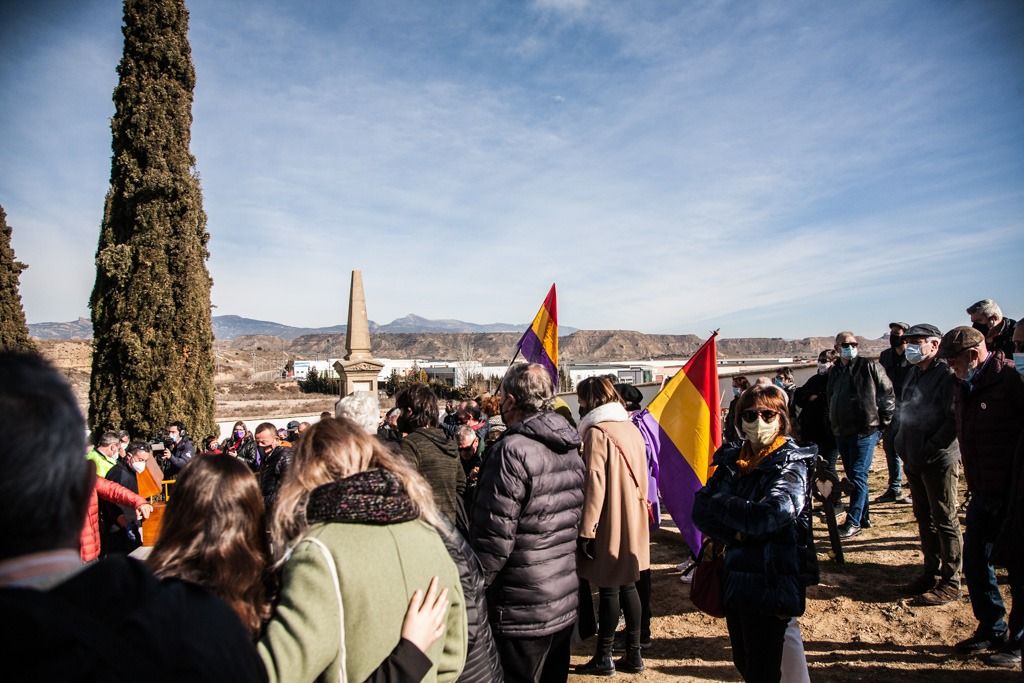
(764, 519)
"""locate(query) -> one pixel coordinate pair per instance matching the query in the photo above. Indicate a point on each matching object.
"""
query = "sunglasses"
(766, 415)
(847, 345)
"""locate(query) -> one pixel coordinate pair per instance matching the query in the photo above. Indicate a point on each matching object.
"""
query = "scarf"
(749, 460)
(372, 497)
(608, 412)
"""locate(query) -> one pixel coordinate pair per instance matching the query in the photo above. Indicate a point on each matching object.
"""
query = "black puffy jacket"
(483, 665)
(764, 519)
(525, 522)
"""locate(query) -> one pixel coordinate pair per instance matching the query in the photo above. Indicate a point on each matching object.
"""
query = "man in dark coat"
(275, 459)
(989, 424)
(524, 528)
(812, 402)
(927, 441)
(860, 406)
(434, 455)
(181, 451)
(894, 361)
(110, 620)
(119, 528)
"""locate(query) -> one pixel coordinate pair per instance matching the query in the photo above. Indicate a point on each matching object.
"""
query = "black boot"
(631, 662)
(601, 664)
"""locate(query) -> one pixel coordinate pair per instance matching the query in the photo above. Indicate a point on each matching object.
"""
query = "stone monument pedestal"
(358, 375)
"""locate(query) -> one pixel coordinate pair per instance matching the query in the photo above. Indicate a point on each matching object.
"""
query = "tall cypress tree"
(152, 337)
(13, 330)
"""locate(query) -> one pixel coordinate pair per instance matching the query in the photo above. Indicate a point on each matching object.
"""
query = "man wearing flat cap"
(989, 405)
(927, 441)
(894, 361)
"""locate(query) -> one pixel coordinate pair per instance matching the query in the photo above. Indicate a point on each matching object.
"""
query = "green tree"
(153, 340)
(13, 330)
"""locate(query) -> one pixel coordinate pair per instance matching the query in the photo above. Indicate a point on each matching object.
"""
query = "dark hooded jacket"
(764, 519)
(114, 621)
(525, 523)
(271, 475)
(436, 457)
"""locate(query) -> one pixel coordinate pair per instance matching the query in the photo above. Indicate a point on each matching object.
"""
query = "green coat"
(102, 464)
(378, 568)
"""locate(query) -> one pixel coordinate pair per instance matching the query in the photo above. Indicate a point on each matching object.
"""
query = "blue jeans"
(892, 459)
(856, 453)
(984, 519)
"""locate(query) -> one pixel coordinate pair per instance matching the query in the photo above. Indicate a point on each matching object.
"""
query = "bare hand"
(425, 619)
(144, 511)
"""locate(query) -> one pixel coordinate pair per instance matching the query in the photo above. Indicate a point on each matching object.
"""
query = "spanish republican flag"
(682, 428)
(540, 343)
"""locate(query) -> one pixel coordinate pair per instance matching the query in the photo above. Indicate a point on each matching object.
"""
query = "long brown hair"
(329, 451)
(214, 534)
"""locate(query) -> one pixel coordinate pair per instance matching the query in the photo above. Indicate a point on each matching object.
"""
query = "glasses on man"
(765, 414)
(849, 345)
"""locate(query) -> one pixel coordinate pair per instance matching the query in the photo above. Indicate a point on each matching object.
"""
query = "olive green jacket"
(377, 569)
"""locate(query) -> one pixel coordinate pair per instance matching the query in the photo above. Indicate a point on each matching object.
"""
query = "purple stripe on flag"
(676, 480)
(533, 350)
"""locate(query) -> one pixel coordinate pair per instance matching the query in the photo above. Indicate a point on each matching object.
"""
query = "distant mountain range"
(229, 327)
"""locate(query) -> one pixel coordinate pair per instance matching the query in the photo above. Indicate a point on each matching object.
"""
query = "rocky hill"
(580, 346)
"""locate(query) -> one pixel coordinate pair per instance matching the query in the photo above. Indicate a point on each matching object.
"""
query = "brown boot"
(945, 592)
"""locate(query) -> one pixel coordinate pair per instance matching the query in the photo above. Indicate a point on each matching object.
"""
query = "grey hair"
(363, 408)
(108, 439)
(464, 431)
(530, 385)
(46, 484)
(986, 307)
(844, 333)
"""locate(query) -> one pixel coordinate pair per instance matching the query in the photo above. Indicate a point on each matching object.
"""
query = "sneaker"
(848, 530)
(888, 497)
(866, 524)
(943, 593)
(903, 500)
(1008, 657)
(979, 642)
(922, 584)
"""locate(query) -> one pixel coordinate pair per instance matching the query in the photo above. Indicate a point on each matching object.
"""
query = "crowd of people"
(465, 544)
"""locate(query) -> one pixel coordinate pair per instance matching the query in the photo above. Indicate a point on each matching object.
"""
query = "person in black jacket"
(108, 620)
(524, 528)
(729, 431)
(119, 526)
(758, 504)
(241, 444)
(181, 452)
(861, 405)
(894, 361)
(275, 460)
(812, 403)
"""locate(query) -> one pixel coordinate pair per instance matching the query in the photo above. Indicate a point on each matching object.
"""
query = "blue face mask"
(779, 383)
(736, 391)
(848, 352)
(913, 354)
(972, 373)
(1018, 362)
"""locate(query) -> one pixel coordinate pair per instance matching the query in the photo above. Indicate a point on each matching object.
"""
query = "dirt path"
(858, 626)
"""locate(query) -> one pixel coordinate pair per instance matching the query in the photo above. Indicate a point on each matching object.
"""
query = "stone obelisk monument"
(358, 371)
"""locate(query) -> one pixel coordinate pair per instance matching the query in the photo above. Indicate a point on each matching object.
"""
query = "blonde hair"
(331, 450)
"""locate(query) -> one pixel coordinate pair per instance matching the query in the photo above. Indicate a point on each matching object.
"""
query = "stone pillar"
(359, 370)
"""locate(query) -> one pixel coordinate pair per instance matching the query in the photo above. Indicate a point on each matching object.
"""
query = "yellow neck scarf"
(748, 460)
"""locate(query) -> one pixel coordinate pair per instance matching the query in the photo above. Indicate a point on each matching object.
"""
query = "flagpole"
(510, 364)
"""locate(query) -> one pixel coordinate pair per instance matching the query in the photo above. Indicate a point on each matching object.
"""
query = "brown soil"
(858, 626)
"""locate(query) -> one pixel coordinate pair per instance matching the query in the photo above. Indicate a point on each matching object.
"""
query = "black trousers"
(612, 601)
(643, 588)
(757, 646)
(544, 659)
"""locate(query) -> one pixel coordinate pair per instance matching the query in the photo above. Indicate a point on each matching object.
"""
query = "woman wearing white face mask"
(758, 504)
(119, 527)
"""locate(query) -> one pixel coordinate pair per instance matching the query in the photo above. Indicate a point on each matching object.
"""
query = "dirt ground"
(858, 626)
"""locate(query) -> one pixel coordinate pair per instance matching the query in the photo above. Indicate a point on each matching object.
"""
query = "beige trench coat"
(614, 508)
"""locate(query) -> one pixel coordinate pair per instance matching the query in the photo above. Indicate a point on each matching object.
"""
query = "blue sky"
(772, 169)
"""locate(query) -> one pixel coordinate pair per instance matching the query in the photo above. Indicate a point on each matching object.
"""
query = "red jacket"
(89, 541)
